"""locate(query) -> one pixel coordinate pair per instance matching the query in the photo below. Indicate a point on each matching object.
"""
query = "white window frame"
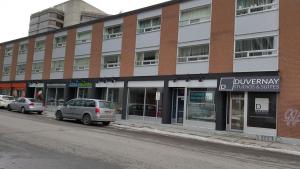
(107, 35)
(23, 51)
(192, 21)
(61, 44)
(36, 48)
(144, 62)
(18, 72)
(57, 69)
(257, 53)
(37, 71)
(190, 59)
(8, 51)
(82, 41)
(249, 10)
(8, 71)
(111, 65)
(81, 68)
(150, 28)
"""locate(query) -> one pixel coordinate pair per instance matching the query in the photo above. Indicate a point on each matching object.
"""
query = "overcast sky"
(15, 14)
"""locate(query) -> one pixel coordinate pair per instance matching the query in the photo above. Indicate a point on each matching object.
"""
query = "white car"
(5, 100)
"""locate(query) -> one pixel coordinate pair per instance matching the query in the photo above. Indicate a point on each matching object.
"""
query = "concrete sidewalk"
(219, 137)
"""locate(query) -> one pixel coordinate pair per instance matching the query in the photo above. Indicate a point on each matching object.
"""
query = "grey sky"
(15, 14)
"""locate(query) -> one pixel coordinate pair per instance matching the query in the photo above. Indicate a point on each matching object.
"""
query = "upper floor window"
(111, 61)
(37, 67)
(23, 48)
(6, 70)
(20, 69)
(254, 47)
(81, 64)
(193, 53)
(83, 37)
(60, 41)
(147, 58)
(8, 51)
(39, 45)
(252, 6)
(149, 25)
(113, 32)
(195, 15)
(57, 66)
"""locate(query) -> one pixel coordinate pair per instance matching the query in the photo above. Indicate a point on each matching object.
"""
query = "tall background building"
(62, 15)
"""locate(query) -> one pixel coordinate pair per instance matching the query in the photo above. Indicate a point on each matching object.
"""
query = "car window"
(103, 104)
(90, 103)
(79, 103)
(8, 98)
(71, 102)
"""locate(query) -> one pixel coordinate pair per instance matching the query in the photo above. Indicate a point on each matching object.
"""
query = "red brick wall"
(48, 56)
(168, 40)
(222, 36)
(128, 46)
(70, 51)
(28, 69)
(96, 50)
(14, 61)
(289, 67)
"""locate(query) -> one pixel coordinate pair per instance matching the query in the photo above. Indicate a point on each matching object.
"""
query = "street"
(30, 141)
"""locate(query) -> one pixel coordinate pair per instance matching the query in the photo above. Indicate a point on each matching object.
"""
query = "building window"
(111, 61)
(8, 51)
(195, 15)
(60, 41)
(20, 69)
(146, 58)
(83, 37)
(201, 106)
(57, 66)
(113, 32)
(6, 70)
(149, 25)
(39, 45)
(37, 68)
(81, 64)
(23, 48)
(252, 6)
(255, 47)
(59, 24)
(193, 53)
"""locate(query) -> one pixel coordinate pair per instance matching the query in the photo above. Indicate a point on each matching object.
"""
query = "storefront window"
(200, 105)
(262, 110)
(82, 92)
(115, 96)
(136, 101)
(5, 91)
(55, 96)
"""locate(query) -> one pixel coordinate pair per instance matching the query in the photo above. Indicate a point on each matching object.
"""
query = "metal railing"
(193, 21)
(255, 53)
(254, 9)
(146, 62)
(185, 59)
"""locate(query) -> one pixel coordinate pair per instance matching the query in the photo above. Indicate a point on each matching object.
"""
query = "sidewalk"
(219, 137)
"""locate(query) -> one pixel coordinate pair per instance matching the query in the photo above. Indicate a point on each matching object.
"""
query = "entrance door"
(179, 109)
(237, 111)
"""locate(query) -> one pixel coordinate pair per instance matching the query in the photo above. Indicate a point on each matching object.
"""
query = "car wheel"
(8, 108)
(58, 116)
(86, 120)
(106, 123)
(23, 110)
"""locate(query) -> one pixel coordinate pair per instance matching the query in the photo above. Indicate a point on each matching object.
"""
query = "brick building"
(216, 64)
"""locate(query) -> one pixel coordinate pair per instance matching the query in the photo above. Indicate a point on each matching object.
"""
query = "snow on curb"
(206, 139)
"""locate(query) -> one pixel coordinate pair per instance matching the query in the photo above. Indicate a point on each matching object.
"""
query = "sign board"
(251, 84)
(82, 85)
(261, 105)
(157, 96)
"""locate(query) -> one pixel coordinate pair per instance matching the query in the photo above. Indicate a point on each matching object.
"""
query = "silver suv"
(87, 110)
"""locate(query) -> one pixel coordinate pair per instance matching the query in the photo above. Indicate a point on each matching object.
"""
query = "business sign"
(251, 84)
(82, 85)
(261, 105)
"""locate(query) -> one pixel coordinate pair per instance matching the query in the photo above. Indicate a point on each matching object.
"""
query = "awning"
(21, 86)
(5, 85)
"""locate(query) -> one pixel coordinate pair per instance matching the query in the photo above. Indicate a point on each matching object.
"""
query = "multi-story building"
(63, 15)
(216, 64)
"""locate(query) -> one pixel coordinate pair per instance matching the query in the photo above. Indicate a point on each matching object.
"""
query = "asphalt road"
(36, 142)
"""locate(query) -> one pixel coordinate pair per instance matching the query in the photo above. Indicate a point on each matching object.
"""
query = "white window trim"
(59, 45)
(111, 65)
(37, 71)
(248, 9)
(39, 49)
(194, 21)
(4, 73)
(142, 63)
(187, 58)
(80, 68)
(112, 36)
(82, 41)
(20, 72)
(150, 28)
(274, 53)
(59, 69)
(6, 54)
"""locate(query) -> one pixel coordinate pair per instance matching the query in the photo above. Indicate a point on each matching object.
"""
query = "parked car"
(5, 100)
(25, 105)
(87, 110)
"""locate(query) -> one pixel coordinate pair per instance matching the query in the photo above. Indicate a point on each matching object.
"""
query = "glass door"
(179, 109)
(237, 111)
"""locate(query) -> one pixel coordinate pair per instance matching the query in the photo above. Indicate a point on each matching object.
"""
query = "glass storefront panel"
(60, 96)
(136, 101)
(115, 96)
(82, 92)
(200, 105)
(5, 91)
(55, 96)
